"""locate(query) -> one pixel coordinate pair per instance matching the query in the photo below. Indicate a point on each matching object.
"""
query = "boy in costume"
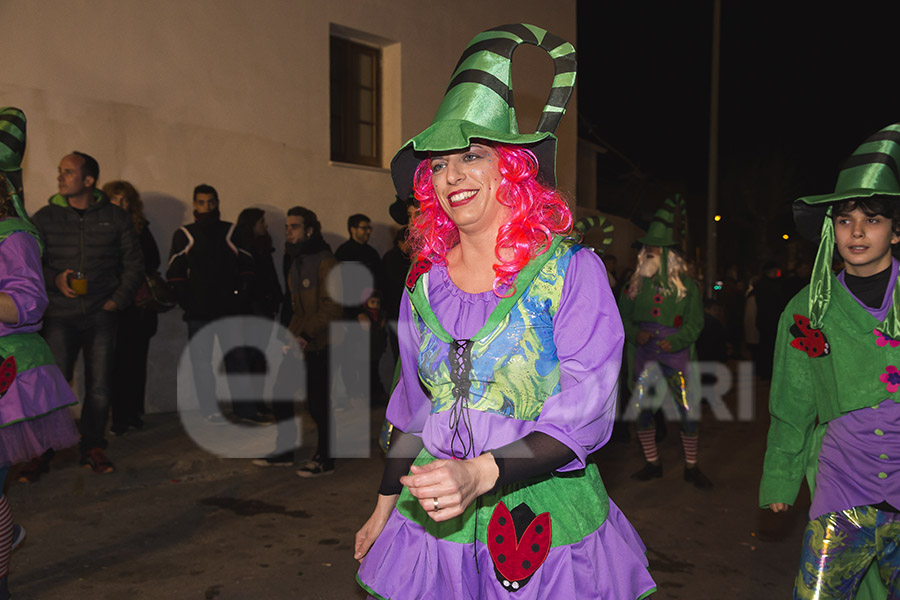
(834, 401)
(663, 316)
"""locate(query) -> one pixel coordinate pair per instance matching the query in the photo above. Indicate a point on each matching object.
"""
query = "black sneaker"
(315, 469)
(278, 460)
(695, 476)
(648, 472)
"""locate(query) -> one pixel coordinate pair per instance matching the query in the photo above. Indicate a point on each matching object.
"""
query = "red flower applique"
(7, 374)
(884, 339)
(809, 340)
(654, 312)
(892, 378)
(421, 266)
(657, 299)
(678, 321)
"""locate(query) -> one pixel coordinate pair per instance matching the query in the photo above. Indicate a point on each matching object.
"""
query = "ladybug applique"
(421, 266)
(806, 339)
(518, 543)
(7, 374)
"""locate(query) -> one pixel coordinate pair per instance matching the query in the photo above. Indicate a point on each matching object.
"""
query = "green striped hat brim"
(12, 138)
(872, 170)
(12, 151)
(447, 136)
(478, 103)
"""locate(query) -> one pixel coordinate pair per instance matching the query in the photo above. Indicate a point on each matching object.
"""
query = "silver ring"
(436, 507)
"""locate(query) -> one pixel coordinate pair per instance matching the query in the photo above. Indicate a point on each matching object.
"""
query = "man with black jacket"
(210, 276)
(84, 233)
(357, 290)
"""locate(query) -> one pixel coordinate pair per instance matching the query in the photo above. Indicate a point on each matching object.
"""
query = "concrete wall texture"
(168, 94)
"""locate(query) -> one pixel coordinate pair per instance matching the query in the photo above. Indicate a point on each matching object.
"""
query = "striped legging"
(6, 527)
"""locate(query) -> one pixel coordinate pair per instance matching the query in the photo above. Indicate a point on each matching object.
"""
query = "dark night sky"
(801, 86)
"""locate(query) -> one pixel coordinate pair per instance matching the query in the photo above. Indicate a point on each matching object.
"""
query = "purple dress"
(34, 395)
(412, 561)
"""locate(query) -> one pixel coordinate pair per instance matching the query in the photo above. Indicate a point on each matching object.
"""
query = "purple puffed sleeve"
(21, 276)
(588, 333)
(409, 405)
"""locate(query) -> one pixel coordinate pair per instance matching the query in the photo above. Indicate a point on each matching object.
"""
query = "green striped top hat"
(872, 170)
(602, 226)
(12, 150)
(478, 103)
(669, 225)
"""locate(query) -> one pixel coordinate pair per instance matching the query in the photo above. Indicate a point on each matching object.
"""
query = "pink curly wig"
(537, 213)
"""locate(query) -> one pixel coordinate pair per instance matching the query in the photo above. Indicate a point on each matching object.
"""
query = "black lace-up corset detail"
(460, 421)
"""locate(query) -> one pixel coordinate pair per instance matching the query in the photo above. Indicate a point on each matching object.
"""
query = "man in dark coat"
(85, 234)
(358, 289)
(211, 277)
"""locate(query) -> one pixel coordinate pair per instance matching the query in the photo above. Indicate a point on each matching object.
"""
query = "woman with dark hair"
(263, 298)
(34, 395)
(510, 346)
(251, 233)
(136, 324)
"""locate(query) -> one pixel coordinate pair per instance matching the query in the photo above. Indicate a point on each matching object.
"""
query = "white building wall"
(168, 94)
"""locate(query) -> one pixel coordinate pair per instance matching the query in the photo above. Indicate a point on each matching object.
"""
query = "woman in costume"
(510, 344)
(662, 312)
(136, 324)
(34, 396)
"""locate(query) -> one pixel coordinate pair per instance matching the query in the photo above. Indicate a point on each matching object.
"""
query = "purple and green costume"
(835, 408)
(34, 396)
(480, 372)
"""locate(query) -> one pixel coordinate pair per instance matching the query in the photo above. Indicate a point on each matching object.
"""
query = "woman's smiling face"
(466, 183)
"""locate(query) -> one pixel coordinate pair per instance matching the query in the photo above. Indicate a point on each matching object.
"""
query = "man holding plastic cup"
(92, 267)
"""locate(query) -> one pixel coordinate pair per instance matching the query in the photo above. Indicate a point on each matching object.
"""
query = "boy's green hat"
(872, 170)
(669, 225)
(12, 151)
(478, 103)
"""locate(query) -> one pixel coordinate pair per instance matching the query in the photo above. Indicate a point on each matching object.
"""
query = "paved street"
(176, 522)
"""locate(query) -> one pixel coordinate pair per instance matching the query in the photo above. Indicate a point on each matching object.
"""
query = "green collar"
(419, 297)
(12, 225)
(60, 200)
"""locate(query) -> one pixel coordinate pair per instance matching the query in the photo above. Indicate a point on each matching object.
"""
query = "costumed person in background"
(510, 345)
(663, 316)
(34, 395)
(835, 396)
(136, 324)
